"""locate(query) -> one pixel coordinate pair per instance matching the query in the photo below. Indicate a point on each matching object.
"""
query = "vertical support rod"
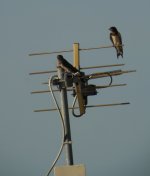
(65, 113)
(76, 56)
(76, 63)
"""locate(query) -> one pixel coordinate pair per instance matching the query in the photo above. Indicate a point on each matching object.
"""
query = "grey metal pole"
(65, 113)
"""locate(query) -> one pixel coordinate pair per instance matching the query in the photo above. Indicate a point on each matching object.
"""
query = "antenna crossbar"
(89, 106)
(105, 74)
(110, 73)
(71, 50)
(97, 87)
(52, 71)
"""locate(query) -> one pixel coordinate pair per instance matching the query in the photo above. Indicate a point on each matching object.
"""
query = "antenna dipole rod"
(105, 74)
(103, 66)
(99, 47)
(110, 73)
(89, 106)
(52, 71)
(71, 89)
(42, 72)
(70, 50)
(47, 53)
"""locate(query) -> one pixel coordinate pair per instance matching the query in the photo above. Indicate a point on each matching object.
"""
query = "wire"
(111, 79)
(63, 126)
(74, 101)
(73, 105)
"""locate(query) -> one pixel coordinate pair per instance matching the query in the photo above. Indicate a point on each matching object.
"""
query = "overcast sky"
(108, 141)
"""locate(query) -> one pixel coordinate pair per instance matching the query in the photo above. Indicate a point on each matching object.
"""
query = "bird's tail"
(119, 54)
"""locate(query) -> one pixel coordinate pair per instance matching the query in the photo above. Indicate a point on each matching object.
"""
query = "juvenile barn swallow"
(116, 39)
(66, 66)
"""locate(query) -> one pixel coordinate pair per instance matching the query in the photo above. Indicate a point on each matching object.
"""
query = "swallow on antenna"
(116, 40)
(66, 66)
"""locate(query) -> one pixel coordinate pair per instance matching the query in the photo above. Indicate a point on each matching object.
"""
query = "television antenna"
(78, 84)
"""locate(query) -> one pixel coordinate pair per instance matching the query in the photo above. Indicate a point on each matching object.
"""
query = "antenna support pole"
(65, 114)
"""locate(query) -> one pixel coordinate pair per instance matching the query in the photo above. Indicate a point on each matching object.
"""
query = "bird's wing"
(111, 38)
(120, 38)
(67, 66)
(120, 41)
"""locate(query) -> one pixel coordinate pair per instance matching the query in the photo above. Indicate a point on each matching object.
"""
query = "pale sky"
(108, 141)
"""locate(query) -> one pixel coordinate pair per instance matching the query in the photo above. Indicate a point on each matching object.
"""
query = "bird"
(116, 39)
(66, 66)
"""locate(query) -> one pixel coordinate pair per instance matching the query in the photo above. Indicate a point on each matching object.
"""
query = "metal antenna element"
(82, 68)
(71, 50)
(71, 89)
(89, 106)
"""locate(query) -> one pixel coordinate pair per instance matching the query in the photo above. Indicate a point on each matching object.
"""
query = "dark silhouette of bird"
(66, 66)
(116, 39)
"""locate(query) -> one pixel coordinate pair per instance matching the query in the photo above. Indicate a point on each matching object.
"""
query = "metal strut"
(65, 114)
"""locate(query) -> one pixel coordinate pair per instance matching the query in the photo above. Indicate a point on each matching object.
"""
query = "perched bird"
(66, 66)
(116, 39)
